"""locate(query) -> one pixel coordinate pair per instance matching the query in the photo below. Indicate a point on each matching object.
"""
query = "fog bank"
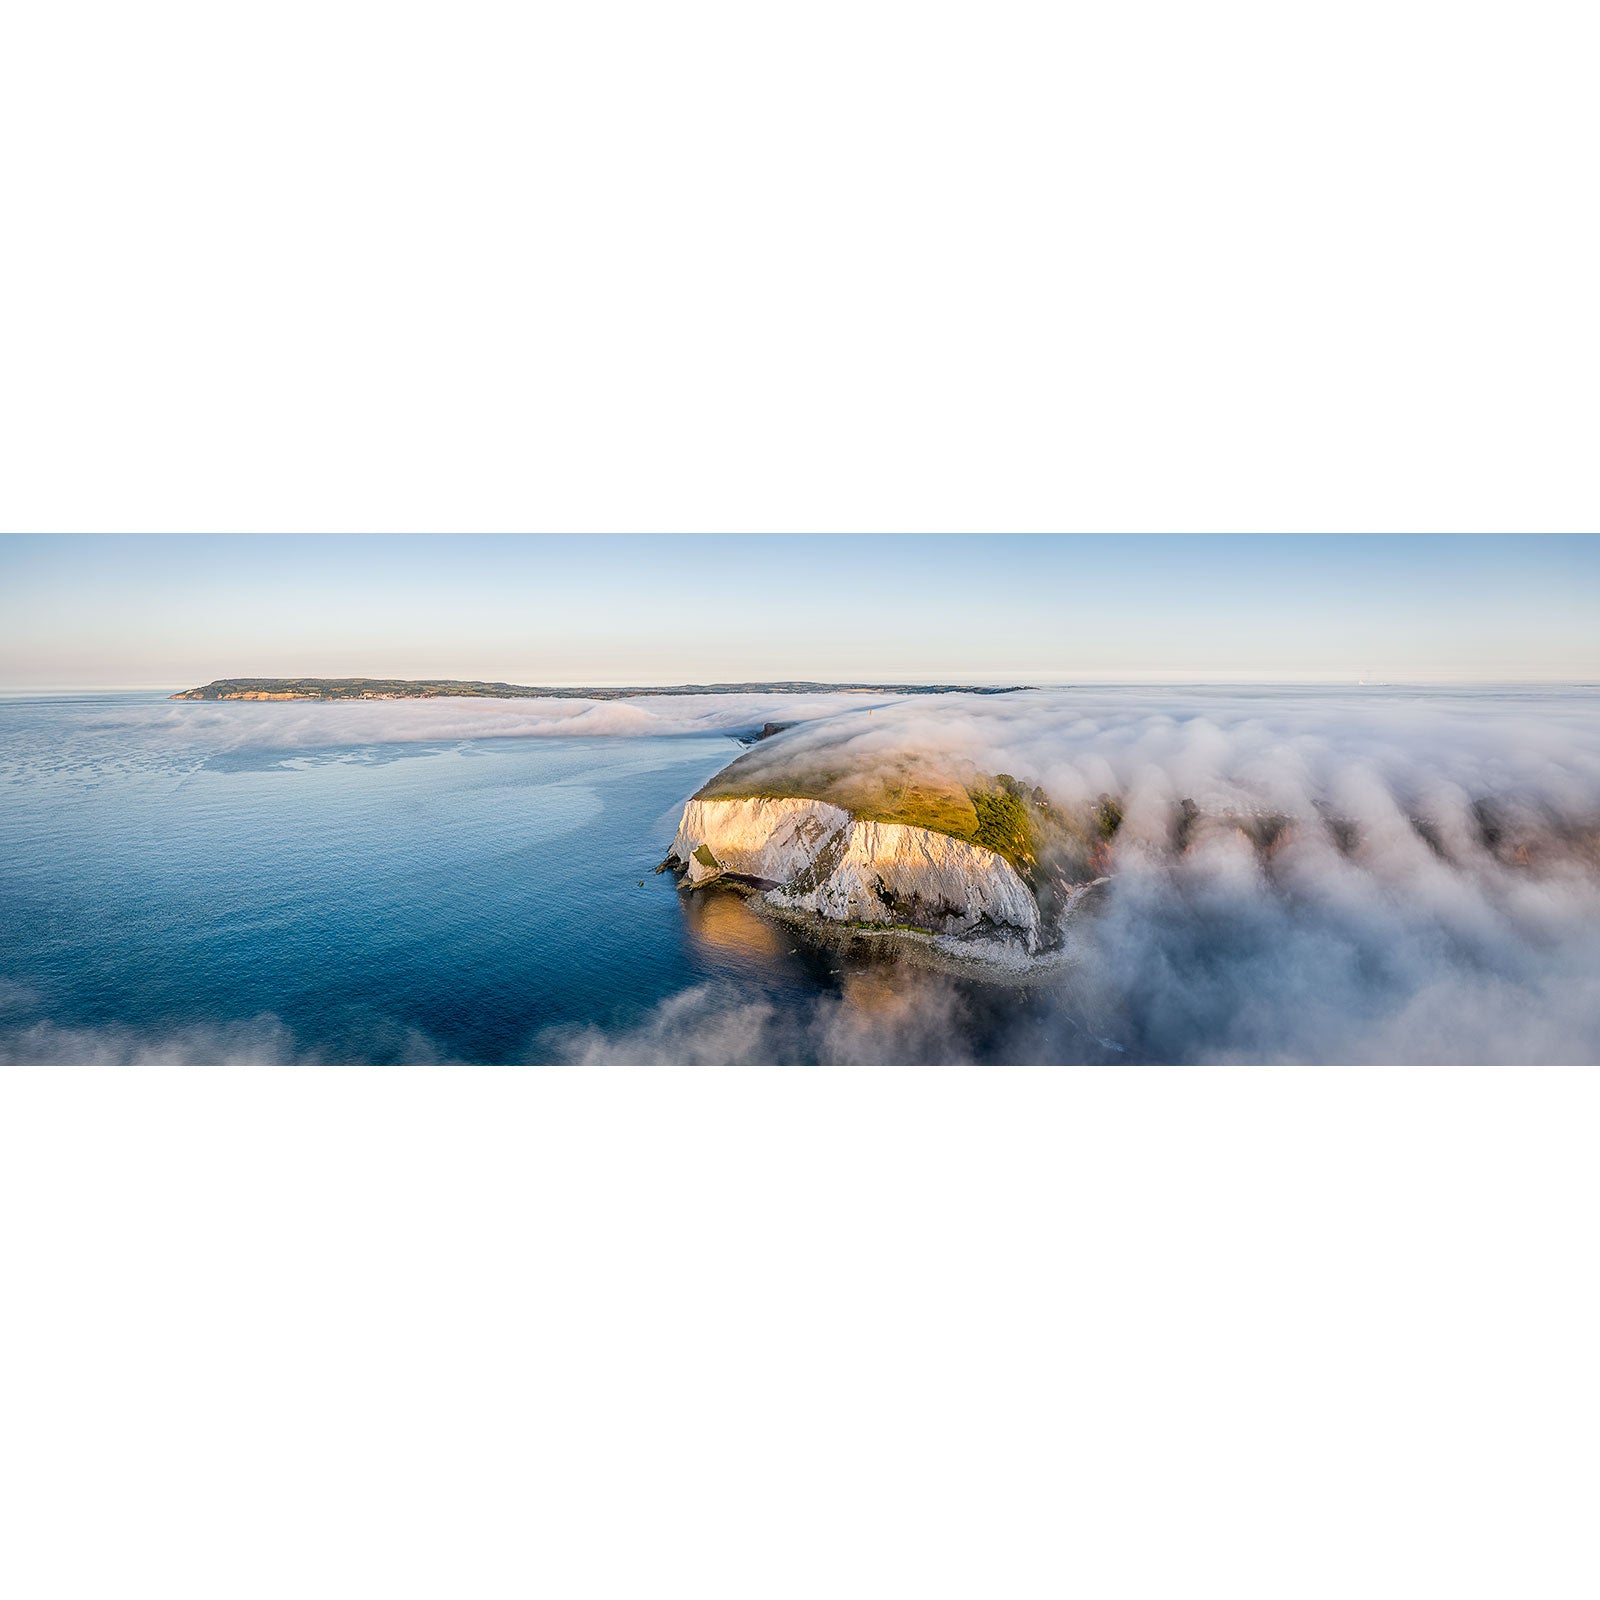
(1297, 876)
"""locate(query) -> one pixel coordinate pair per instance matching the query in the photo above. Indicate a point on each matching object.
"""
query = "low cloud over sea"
(1299, 875)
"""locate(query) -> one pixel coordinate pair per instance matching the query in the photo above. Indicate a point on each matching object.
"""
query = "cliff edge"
(809, 856)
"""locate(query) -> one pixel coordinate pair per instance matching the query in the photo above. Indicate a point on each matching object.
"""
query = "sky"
(79, 611)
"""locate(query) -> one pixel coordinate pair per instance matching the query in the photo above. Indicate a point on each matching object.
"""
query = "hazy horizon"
(80, 613)
(1086, 681)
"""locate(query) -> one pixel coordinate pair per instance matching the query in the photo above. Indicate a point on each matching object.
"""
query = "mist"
(1297, 876)
(311, 725)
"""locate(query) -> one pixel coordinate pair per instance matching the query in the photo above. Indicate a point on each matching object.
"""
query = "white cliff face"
(826, 862)
(771, 839)
(892, 873)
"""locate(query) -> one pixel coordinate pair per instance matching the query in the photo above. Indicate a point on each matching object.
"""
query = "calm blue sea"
(466, 899)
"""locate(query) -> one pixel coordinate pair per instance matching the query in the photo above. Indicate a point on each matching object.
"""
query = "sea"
(166, 895)
(461, 900)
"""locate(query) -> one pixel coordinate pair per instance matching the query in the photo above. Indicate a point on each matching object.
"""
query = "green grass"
(1108, 816)
(997, 813)
(1004, 824)
(917, 800)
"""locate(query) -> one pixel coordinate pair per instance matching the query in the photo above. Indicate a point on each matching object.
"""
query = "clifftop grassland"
(995, 812)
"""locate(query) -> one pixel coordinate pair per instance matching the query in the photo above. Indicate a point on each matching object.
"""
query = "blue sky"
(80, 610)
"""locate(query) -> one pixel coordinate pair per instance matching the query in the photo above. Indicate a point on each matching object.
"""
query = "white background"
(865, 1332)
(878, 1333)
(335, 264)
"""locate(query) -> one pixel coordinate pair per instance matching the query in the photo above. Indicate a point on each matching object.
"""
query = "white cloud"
(1434, 896)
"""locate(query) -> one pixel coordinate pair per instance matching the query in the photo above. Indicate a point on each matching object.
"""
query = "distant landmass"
(473, 689)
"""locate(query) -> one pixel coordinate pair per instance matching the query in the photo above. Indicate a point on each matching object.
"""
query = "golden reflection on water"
(881, 990)
(721, 926)
(880, 1004)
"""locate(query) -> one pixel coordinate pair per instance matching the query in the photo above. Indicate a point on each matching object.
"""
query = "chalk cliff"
(807, 855)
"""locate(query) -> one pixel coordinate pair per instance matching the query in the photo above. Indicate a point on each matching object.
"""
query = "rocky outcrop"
(770, 841)
(809, 856)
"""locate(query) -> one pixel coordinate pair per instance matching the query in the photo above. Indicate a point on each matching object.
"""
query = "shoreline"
(1006, 965)
(368, 689)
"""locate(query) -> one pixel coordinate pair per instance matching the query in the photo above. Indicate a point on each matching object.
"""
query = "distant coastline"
(474, 689)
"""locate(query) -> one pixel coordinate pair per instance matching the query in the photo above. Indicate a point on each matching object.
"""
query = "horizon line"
(862, 685)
